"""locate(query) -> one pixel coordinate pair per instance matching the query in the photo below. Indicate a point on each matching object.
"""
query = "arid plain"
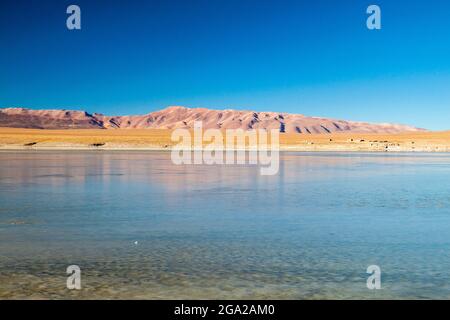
(160, 139)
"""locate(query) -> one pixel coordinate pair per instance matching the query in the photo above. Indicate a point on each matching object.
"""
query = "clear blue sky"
(310, 57)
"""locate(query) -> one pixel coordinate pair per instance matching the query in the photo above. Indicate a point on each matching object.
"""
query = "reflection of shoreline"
(160, 139)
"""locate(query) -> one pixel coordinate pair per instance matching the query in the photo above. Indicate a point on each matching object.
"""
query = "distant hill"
(181, 117)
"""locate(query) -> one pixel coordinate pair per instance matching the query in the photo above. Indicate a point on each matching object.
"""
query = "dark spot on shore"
(97, 144)
(30, 144)
(104, 174)
(56, 175)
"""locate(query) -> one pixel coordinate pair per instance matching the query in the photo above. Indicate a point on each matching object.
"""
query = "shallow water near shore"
(140, 227)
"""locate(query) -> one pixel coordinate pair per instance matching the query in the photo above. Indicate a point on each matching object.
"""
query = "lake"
(140, 227)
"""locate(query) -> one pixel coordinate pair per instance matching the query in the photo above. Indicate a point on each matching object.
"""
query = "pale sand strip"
(159, 139)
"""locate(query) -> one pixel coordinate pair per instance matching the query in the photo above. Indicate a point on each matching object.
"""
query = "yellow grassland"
(160, 139)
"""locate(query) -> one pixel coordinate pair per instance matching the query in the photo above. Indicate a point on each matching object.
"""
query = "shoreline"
(156, 149)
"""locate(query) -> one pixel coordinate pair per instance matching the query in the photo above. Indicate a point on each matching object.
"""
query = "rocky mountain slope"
(181, 117)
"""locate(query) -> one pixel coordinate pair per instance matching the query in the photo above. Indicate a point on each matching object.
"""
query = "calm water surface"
(224, 231)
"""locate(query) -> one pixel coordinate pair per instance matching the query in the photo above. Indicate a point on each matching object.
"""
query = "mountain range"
(182, 117)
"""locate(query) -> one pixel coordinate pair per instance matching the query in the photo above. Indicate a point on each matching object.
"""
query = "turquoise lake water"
(141, 227)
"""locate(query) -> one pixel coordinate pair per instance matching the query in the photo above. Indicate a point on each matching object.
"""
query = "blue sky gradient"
(310, 57)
